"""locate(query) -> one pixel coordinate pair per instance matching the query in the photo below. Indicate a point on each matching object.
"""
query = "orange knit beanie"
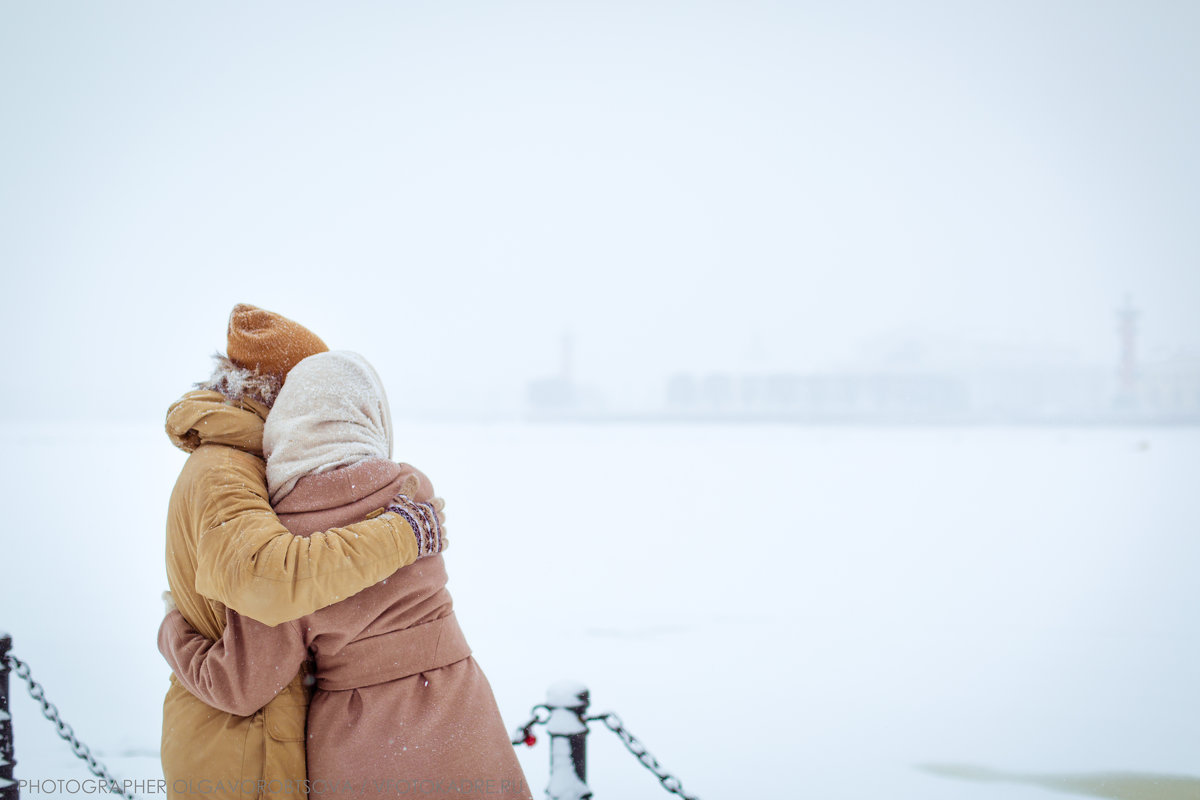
(269, 343)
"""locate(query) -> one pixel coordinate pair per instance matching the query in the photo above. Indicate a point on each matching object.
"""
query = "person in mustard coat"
(225, 548)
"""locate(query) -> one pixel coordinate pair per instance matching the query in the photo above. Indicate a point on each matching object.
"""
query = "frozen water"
(782, 611)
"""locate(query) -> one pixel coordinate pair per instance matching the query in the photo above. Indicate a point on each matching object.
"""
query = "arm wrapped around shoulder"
(427, 521)
(247, 559)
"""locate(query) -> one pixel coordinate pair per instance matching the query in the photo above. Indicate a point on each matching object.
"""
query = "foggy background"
(897, 213)
(680, 188)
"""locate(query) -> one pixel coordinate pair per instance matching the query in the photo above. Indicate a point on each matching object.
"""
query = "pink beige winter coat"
(400, 708)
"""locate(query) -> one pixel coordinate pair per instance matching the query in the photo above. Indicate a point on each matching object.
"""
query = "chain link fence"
(8, 785)
(564, 715)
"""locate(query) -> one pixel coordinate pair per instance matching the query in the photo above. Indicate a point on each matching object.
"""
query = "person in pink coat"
(400, 707)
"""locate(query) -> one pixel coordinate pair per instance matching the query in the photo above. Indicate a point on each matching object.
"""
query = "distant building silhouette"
(954, 383)
(816, 396)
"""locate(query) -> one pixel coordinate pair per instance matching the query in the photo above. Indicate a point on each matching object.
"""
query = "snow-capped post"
(568, 703)
(8, 786)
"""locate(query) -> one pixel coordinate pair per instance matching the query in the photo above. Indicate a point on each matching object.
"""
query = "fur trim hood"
(238, 383)
(207, 417)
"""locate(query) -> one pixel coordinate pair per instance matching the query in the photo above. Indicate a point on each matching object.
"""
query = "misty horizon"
(722, 187)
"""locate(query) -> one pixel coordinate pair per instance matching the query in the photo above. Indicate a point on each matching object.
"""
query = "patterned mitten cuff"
(423, 519)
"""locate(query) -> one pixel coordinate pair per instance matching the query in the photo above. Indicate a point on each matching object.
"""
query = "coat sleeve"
(240, 672)
(247, 559)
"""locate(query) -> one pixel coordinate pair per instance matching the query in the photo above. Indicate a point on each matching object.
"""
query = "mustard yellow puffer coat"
(225, 547)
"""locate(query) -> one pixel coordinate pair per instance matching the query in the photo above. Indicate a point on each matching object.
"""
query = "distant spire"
(1127, 371)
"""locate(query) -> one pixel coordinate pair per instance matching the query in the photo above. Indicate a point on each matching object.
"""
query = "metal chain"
(65, 732)
(523, 734)
(668, 781)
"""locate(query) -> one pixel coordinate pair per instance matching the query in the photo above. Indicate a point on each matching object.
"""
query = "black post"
(8, 786)
(568, 703)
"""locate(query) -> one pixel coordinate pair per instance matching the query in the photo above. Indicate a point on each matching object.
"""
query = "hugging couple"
(313, 643)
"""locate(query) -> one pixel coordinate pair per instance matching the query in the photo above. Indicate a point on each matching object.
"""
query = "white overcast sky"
(447, 187)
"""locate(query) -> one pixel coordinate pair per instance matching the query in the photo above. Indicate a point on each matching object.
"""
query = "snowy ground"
(776, 611)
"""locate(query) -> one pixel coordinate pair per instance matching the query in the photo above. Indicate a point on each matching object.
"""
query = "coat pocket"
(285, 723)
(285, 718)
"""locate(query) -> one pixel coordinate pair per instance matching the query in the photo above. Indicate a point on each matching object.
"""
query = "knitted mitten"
(425, 521)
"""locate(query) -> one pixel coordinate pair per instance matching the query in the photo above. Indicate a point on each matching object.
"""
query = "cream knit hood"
(332, 412)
